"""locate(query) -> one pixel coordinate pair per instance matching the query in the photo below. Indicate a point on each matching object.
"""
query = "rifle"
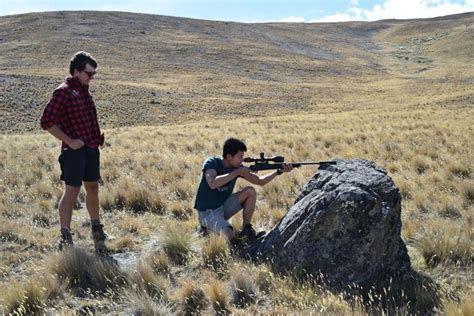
(272, 163)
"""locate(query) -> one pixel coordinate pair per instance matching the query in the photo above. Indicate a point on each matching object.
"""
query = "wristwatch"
(279, 171)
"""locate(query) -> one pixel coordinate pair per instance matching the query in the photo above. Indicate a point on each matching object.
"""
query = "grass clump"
(159, 262)
(193, 299)
(219, 297)
(143, 304)
(446, 242)
(86, 273)
(177, 244)
(24, 298)
(122, 244)
(459, 170)
(215, 253)
(146, 281)
(244, 291)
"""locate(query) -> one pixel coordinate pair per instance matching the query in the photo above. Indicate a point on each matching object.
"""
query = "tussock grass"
(445, 242)
(146, 281)
(464, 308)
(122, 244)
(41, 220)
(215, 253)
(462, 170)
(219, 297)
(159, 262)
(180, 210)
(177, 243)
(244, 290)
(143, 304)
(54, 288)
(85, 273)
(26, 298)
(467, 190)
(193, 299)
(128, 194)
(130, 224)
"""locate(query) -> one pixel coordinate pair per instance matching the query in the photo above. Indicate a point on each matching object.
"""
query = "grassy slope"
(165, 70)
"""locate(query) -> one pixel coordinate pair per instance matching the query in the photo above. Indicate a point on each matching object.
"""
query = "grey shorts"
(216, 220)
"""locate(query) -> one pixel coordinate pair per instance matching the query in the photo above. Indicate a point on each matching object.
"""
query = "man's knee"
(70, 195)
(91, 188)
(250, 192)
(228, 232)
(71, 191)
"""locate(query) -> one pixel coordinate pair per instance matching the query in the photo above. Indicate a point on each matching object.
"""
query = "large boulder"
(345, 226)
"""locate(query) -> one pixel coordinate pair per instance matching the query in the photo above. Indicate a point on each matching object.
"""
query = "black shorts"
(79, 165)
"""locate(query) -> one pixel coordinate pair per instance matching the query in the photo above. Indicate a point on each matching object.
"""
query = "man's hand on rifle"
(286, 167)
(244, 171)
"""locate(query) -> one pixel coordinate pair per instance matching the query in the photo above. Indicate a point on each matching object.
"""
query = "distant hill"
(161, 70)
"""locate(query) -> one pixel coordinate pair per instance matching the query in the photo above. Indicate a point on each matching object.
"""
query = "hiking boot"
(99, 238)
(249, 234)
(65, 240)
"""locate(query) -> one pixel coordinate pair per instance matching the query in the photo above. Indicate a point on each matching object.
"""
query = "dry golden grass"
(159, 262)
(215, 253)
(177, 243)
(219, 297)
(244, 291)
(85, 274)
(143, 304)
(193, 298)
(27, 298)
(164, 167)
(146, 281)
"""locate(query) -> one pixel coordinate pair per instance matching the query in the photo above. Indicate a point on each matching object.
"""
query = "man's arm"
(216, 181)
(262, 180)
(59, 134)
(51, 114)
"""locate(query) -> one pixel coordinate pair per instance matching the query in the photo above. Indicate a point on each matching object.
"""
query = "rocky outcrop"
(345, 226)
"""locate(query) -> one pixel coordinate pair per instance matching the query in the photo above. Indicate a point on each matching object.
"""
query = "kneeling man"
(215, 201)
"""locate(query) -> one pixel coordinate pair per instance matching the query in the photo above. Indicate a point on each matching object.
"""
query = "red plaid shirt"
(72, 109)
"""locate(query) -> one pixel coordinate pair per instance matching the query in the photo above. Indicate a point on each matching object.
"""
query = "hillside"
(162, 70)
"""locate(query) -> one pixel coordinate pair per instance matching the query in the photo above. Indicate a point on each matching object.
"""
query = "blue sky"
(256, 10)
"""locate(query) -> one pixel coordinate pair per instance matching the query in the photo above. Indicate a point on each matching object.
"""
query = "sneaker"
(249, 234)
(65, 240)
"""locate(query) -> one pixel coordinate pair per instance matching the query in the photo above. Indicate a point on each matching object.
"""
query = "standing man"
(215, 201)
(71, 117)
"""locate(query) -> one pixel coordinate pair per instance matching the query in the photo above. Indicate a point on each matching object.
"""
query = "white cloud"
(355, 2)
(293, 19)
(401, 9)
(340, 17)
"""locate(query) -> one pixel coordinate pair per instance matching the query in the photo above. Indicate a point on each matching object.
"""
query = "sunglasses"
(90, 73)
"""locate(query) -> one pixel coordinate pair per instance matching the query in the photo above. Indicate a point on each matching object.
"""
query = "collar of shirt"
(76, 84)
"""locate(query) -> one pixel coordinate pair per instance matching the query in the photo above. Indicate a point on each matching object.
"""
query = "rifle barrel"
(297, 164)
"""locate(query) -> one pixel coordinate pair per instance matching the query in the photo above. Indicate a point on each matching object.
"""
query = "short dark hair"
(232, 146)
(80, 60)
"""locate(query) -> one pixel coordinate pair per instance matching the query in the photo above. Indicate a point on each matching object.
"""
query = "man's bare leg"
(248, 199)
(92, 199)
(66, 204)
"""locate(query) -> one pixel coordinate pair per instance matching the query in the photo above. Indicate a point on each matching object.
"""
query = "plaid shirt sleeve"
(54, 109)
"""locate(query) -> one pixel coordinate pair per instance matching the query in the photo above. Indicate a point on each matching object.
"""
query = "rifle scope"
(264, 159)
